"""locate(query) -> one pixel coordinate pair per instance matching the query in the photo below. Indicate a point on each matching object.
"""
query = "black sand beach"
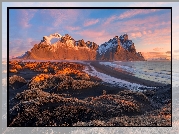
(62, 94)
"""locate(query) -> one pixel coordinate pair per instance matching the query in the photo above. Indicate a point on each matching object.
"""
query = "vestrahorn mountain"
(67, 48)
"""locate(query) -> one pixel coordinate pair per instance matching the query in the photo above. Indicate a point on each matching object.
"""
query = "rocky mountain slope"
(66, 48)
(119, 48)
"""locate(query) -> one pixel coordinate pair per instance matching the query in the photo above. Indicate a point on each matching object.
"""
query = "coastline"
(93, 98)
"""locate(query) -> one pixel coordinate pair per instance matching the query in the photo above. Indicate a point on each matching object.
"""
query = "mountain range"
(67, 48)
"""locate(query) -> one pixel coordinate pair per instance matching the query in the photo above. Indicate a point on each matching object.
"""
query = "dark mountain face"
(118, 48)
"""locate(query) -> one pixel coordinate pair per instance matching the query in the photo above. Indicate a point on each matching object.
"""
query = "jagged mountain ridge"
(118, 48)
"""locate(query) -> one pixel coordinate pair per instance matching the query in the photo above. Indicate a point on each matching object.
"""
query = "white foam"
(115, 81)
(156, 75)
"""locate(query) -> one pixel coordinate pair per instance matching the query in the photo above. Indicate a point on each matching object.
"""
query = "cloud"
(60, 16)
(24, 17)
(110, 19)
(91, 22)
(92, 33)
(152, 30)
(17, 47)
(146, 23)
(70, 28)
(136, 34)
(149, 30)
(96, 36)
(151, 55)
(157, 37)
(158, 49)
(144, 32)
(133, 12)
(168, 52)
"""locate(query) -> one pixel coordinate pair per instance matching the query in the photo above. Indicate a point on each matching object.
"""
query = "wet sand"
(123, 75)
(76, 99)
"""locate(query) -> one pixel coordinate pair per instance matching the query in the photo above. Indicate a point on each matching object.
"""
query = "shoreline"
(83, 99)
(124, 75)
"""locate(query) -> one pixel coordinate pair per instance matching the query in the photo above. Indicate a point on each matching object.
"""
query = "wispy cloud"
(70, 28)
(110, 19)
(17, 47)
(137, 27)
(148, 22)
(60, 16)
(90, 22)
(158, 36)
(150, 55)
(146, 31)
(134, 12)
(92, 33)
(158, 49)
(96, 36)
(25, 16)
(168, 52)
(136, 34)
(130, 13)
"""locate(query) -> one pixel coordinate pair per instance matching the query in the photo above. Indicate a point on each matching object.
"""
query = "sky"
(149, 29)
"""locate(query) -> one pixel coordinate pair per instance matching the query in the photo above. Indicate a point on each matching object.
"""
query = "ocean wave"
(115, 81)
(149, 74)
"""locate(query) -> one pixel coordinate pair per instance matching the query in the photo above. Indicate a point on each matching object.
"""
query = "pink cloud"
(136, 34)
(91, 22)
(92, 33)
(148, 29)
(70, 28)
(148, 21)
(144, 32)
(24, 16)
(17, 47)
(159, 39)
(31, 42)
(168, 52)
(139, 23)
(138, 28)
(157, 49)
(110, 19)
(61, 16)
(151, 55)
(134, 12)
(143, 24)
(96, 36)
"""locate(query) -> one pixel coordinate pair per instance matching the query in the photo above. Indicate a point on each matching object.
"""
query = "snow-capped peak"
(112, 43)
(47, 39)
(125, 42)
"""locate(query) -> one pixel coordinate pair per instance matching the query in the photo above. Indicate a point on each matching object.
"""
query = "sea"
(157, 71)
